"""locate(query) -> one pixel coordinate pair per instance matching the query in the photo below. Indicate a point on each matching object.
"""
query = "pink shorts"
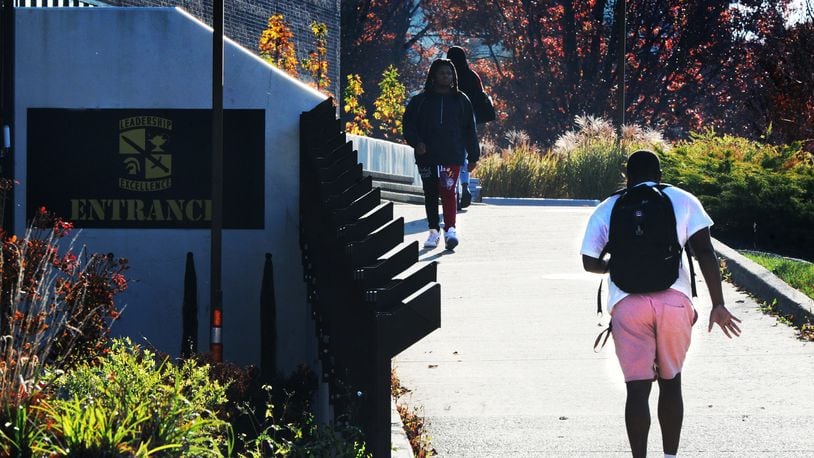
(652, 333)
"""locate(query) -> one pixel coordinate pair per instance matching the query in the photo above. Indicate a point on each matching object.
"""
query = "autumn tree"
(390, 104)
(734, 66)
(380, 33)
(317, 61)
(555, 59)
(277, 45)
(359, 124)
(786, 101)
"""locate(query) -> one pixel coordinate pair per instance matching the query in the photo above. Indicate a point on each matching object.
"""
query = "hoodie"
(445, 123)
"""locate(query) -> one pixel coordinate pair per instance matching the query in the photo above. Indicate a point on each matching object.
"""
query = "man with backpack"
(470, 84)
(645, 228)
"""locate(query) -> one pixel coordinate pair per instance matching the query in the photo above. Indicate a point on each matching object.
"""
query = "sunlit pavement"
(512, 371)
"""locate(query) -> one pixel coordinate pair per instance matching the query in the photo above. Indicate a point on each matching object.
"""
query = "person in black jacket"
(440, 125)
(470, 84)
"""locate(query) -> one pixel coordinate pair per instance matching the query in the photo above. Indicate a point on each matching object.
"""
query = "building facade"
(134, 112)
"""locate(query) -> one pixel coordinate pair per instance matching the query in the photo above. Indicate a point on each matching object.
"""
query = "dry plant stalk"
(38, 309)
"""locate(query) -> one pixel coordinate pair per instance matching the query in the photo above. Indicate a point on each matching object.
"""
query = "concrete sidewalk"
(512, 372)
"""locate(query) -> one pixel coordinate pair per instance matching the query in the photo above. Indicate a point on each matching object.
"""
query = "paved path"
(512, 372)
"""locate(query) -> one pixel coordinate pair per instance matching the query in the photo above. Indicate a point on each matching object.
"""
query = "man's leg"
(429, 181)
(466, 196)
(447, 183)
(637, 415)
(635, 342)
(671, 413)
(674, 319)
(448, 178)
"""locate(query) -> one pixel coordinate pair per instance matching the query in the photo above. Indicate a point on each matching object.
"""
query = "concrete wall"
(387, 157)
(161, 58)
(245, 20)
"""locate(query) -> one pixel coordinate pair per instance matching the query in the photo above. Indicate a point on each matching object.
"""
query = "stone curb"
(759, 282)
(399, 443)
(525, 201)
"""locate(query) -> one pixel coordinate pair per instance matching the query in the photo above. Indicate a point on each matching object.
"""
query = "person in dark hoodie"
(440, 125)
(470, 84)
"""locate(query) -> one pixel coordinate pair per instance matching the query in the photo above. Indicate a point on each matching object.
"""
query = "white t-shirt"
(690, 218)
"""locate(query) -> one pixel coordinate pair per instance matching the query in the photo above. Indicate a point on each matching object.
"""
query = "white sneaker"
(450, 239)
(432, 240)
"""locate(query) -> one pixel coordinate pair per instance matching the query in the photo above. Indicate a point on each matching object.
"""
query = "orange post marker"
(215, 336)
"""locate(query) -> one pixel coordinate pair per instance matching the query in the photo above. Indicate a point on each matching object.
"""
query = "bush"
(131, 403)
(594, 162)
(760, 196)
(273, 436)
(593, 171)
(584, 164)
(521, 170)
(22, 429)
(56, 305)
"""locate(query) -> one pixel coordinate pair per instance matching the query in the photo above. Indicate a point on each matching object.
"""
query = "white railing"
(57, 3)
(387, 157)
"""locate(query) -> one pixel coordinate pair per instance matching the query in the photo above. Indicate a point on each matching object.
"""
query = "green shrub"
(131, 402)
(593, 171)
(760, 196)
(305, 438)
(286, 426)
(22, 431)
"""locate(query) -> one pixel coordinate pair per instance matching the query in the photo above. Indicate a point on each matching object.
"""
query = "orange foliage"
(277, 45)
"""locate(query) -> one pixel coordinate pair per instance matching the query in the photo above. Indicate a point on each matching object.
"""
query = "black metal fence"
(369, 300)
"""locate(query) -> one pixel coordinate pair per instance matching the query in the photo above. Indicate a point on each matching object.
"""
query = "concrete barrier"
(764, 285)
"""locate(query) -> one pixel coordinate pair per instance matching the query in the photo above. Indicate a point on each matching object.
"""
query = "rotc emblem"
(144, 150)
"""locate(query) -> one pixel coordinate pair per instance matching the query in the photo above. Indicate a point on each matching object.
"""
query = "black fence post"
(8, 48)
(189, 310)
(268, 323)
(359, 304)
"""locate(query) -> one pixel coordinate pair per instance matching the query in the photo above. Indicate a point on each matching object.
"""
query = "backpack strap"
(599, 291)
(607, 331)
(688, 249)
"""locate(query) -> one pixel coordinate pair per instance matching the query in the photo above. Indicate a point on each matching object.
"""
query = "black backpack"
(642, 240)
(643, 244)
(483, 108)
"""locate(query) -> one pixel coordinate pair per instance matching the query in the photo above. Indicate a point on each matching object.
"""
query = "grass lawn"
(798, 274)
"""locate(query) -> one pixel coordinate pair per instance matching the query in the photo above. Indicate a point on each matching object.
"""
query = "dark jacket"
(469, 83)
(445, 124)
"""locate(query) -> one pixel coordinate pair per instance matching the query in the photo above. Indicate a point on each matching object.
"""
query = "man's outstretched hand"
(720, 315)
